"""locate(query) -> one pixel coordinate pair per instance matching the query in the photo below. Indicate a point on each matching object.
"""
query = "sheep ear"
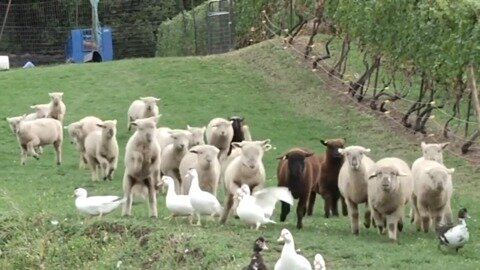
(156, 118)
(231, 122)
(100, 125)
(366, 150)
(194, 151)
(65, 127)
(444, 145)
(237, 145)
(399, 173)
(267, 147)
(324, 142)
(282, 157)
(308, 154)
(451, 170)
(423, 144)
(189, 127)
(157, 99)
(114, 121)
(373, 175)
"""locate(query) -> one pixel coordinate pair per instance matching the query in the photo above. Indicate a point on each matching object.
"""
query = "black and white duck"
(454, 236)
(256, 263)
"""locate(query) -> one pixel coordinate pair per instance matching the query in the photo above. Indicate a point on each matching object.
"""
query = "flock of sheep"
(231, 158)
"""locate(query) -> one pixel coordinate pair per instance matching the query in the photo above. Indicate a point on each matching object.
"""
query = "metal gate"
(220, 26)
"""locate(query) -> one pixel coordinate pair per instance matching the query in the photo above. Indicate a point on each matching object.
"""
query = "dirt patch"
(98, 229)
(392, 120)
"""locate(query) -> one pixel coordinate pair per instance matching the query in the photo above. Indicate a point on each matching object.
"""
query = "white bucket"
(4, 62)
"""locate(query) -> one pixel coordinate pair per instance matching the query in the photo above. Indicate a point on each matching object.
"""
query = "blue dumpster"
(81, 48)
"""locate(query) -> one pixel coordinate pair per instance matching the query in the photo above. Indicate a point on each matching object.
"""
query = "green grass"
(280, 99)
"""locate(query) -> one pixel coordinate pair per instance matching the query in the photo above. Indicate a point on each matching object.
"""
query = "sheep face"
(14, 122)
(439, 177)
(333, 146)
(74, 131)
(180, 140)
(109, 128)
(56, 98)
(41, 110)
(433, 151)
(206, 154)
(222, 128)
(388, 177)
(354, 156)
(150, 103)
(252, 152)
(296, 159)
(146, 128)
(196, 135)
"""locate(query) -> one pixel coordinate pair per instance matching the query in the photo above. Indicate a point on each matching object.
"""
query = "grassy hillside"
(280, 100)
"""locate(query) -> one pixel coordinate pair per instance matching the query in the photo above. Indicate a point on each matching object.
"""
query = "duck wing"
(267, 198)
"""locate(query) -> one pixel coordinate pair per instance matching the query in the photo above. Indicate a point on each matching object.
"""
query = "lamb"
(195, 136)
(57, 108)
(352, 183)
(204, 158)
(331, 163)
(142, 157)
(390, 188)
(172, 155)
(219, 133)
(247, 169)
(241, 131)
(13, 123)
(101, 150)
(144, 107)
(79, 130)
(41, 111)
(432, 191)
(36, 133)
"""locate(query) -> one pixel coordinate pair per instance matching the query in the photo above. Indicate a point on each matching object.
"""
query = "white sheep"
(195, 136)
(390, 187)
(352, 182)
(172, 155)
(142, 157)
(219, 133)
(432, 191)
(41, 111)
(142, 108)
(101, 150)
(204, 158)
(79, 130)
(36, 133)
(247, 169)
(57, 108)
(13, 123)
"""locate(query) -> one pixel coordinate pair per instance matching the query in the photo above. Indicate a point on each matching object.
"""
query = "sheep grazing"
(144, 107)
(101, 150)
(432, 191)
(79, 130)
(142, 157)
(56, 108)
(219, 133)
(299, 170)
(36, 133)
(204, 158)
(353, 182)
(244, 169)
(241, 131)
(331, 163)
(172, 155)
(390, 187)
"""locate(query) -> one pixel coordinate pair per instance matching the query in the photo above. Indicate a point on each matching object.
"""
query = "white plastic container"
(4, 62)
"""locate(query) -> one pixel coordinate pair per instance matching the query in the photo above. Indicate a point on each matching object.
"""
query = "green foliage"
(440, 37)
(185, 34)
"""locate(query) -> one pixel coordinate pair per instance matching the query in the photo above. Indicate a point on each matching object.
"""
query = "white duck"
(454, 236)
(257, 209)
(289, 259)
(96, 205)
(319, 262)
(178, 205)
(203, 203)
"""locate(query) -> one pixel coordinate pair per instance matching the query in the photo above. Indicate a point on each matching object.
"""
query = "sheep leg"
(328, 201)
(367, 217)
(226, 211)
(23, 154)
(39, 150)
(378, 219)
(58, 151)
(301, 209)
(425, 218)
(311, 202)
(353, 212)
(199, 220)
(344, 206)
(30, 148)
(92, 163)
(127, 193)
(285, 211)
(392, 226)
(447, 214)
(152, 198)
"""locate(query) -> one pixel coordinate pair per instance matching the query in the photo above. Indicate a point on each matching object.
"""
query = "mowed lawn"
(281, 100)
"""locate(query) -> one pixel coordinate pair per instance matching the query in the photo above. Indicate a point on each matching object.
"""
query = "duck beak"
(280, 239)
(264, 246)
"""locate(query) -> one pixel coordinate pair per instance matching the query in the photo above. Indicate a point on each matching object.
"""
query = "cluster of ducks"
(255, 210)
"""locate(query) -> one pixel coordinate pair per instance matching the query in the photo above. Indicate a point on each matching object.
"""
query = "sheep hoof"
(36, 157)
(367, 225)
(104, 178)
(59, 163)
(356, 233)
